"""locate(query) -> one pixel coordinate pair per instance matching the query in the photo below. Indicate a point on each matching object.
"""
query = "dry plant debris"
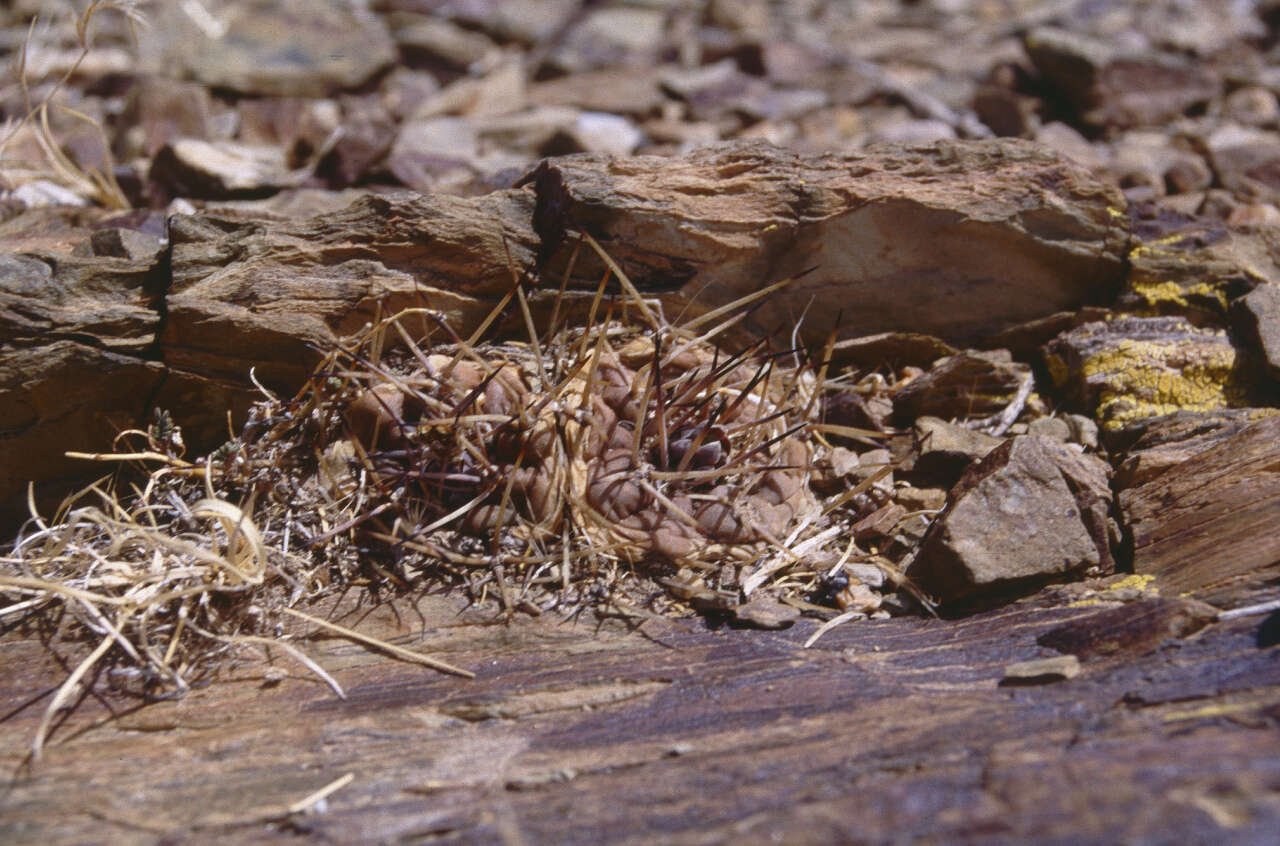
(50, 162)
(628, 464)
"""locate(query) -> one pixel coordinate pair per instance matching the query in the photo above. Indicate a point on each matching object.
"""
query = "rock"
(1033, 235)
(1198, 265)
(1052, 428)
(972, 383)
(1041, 670)
(597, 132)
(1151, 447)
(610, 36)
(894, 348)
(298, 48)
(431, 40)
(633, 92)
(1252, 105)
(1134, 629)
(1084, 431)
(189, 167)
(1147, 161)
(160, 110)
(365, 133)
(434, 154)
(1070, 143)
(76, 323)
(528, 21)
(1208, 524)
(761, 613)
(1136, 367)
(1246, 161)
(267, 293)
(920, 499)
(879, 523)
(1256, 318)
(945, 449)
(62, 395)
(119, 242)
(1029, 511)
(42, 192)
(1255, 215)
(1110, 86)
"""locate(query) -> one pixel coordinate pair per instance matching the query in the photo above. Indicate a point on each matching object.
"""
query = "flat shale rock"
(1030, 510)
(268, 293)
(58, 396)
(1111, 86)
(191, 167)
(969, 383)
(955, 239)
(1151, 447)
(946, 449)
(76, 322)
(295, 48)
(1209, 523)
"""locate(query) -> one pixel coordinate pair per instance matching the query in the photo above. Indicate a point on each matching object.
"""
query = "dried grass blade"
(376, 643)
(65, 691)
(623, 280)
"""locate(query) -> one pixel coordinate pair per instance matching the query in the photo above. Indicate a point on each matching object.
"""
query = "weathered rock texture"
(639, 734)
(1211, 521)
(1133, 368)
(1031, 509)
(1014, 232)
(271, 294)
(953, 239)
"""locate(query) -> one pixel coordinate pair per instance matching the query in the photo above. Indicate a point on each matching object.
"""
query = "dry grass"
(628, 465)
(49, 162)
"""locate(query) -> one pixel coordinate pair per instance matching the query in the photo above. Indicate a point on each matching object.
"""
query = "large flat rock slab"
(954, 239)
(898, 730)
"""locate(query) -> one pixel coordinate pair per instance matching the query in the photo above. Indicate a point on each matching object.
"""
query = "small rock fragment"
(946, 449)
(1246, 161)
(1030, 510)
(190, 167)
(292, 48)
(1257, 320)
(1053, 428)
(1041, 670)
(1111, 86)
(969, 383)
(764, 613)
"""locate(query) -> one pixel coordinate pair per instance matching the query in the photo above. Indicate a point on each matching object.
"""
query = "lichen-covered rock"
(1195, 267)
(1031, 510)
(1133, 368)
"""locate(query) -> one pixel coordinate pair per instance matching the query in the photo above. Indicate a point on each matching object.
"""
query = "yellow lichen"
(1140, 379)
(1156, 293)
(1135, 581)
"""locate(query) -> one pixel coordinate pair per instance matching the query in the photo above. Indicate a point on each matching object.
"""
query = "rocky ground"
(1031, 254)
